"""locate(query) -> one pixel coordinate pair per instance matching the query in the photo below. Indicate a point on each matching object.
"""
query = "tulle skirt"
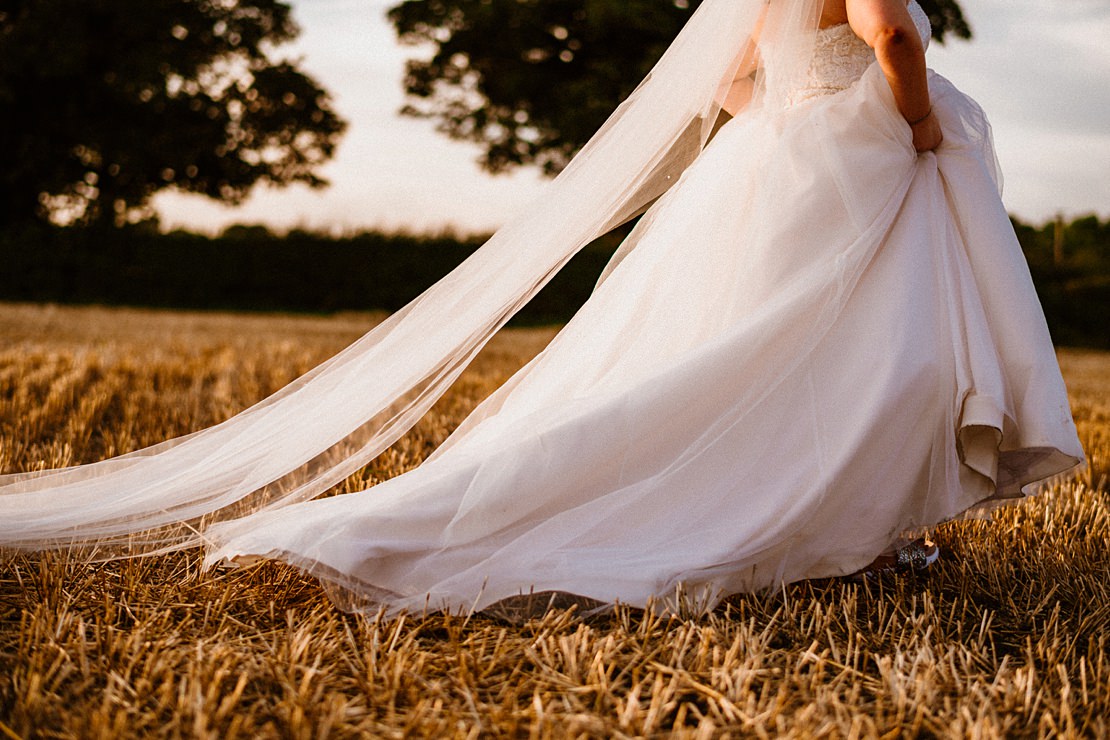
(815, 341)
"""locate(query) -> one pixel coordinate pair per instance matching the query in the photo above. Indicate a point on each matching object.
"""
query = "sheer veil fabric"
(323, 427)
(814, 340)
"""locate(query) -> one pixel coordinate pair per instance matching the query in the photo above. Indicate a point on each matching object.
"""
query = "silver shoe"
(913, 557)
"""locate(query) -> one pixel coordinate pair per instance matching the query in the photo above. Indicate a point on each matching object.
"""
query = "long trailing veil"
(311, 435)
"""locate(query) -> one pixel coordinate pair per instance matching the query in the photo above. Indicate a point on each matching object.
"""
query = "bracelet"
(919, 120)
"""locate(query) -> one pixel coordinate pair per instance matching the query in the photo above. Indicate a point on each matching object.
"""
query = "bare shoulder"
(871, 19)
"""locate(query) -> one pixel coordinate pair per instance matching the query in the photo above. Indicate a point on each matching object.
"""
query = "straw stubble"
(1006, 636)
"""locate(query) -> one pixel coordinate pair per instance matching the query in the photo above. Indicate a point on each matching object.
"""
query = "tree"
(106, 102)
(532, 80)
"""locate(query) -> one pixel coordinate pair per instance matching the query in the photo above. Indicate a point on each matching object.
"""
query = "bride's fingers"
(927, 134)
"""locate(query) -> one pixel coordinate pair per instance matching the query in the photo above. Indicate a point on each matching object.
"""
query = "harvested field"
(1009, 635)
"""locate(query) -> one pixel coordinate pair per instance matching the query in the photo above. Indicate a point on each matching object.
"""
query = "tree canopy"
(531, 81)
(106, 102)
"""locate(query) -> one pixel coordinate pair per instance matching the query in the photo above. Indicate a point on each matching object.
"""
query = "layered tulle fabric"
(821, 340)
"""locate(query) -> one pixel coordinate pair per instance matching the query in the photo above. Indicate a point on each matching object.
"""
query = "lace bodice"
(841, 57)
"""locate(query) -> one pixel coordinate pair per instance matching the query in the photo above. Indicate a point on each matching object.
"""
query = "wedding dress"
(814, 340)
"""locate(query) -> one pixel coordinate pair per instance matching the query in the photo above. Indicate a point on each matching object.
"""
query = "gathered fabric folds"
(814, 340)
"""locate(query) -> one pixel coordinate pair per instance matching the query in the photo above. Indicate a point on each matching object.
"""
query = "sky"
(1040, 69)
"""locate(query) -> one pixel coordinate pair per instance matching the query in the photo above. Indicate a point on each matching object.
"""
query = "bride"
(820, 336)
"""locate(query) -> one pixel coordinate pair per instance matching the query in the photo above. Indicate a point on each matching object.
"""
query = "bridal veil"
(311, 435)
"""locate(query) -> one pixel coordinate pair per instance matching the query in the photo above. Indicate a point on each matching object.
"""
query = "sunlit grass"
(1007, 635)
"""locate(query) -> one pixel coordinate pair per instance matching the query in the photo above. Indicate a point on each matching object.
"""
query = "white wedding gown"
(821, 340)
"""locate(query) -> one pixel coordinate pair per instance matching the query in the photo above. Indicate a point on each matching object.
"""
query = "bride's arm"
(887, 27)
(735, 94)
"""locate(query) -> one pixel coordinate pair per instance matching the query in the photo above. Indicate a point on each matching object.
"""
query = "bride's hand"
(927, 135)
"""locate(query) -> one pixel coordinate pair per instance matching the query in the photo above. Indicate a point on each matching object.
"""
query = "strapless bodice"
(841, 57)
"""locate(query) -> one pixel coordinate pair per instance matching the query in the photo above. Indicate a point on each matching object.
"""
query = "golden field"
(1009, 635)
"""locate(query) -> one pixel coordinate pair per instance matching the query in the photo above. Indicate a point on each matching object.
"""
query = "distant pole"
(1058, 241)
